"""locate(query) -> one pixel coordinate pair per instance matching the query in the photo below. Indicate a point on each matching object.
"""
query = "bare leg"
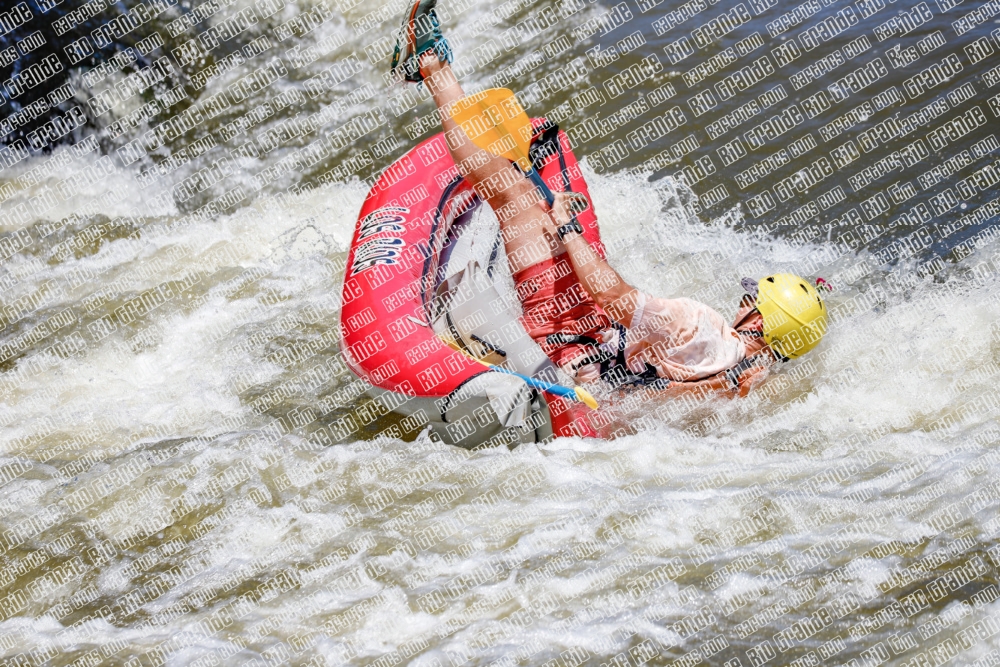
(523, 215)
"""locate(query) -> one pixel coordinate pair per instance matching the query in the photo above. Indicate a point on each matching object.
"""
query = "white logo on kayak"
(382, 250)
(387, 225)
(384, 219)
(375, 252)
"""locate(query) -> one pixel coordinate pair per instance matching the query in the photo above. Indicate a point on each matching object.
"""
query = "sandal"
(420, 32)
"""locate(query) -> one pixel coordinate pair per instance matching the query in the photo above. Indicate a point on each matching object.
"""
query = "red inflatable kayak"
(424, 276)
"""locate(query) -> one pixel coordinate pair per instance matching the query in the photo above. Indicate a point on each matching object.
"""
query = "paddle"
(495, 121)
(574, 394)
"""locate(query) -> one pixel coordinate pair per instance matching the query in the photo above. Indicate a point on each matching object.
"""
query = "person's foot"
(419, 34)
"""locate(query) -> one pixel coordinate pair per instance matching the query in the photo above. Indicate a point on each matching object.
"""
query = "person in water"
(615, 332)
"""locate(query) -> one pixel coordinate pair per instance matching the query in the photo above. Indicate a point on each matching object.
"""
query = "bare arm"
(599, 279)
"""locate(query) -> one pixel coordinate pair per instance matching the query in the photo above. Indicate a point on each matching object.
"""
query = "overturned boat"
(427, 291)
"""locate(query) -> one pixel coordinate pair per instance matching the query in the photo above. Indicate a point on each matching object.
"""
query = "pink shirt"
(683, 339)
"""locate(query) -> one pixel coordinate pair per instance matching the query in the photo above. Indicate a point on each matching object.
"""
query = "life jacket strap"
(614, 369)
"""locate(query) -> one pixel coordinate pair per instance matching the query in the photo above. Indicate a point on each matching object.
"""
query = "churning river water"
(172, 492)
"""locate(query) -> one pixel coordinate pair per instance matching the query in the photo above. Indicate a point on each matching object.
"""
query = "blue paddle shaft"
(556, 389)
(540, 184)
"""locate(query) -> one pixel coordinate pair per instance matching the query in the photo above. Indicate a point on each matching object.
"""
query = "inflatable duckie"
(427, 291)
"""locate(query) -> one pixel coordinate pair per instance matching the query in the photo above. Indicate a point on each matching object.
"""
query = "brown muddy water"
(176, 490)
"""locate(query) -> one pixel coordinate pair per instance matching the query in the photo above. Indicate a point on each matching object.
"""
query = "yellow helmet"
(794, 314)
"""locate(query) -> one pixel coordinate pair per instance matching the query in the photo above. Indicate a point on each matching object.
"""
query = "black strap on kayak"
(544, 145)
(490, 347)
